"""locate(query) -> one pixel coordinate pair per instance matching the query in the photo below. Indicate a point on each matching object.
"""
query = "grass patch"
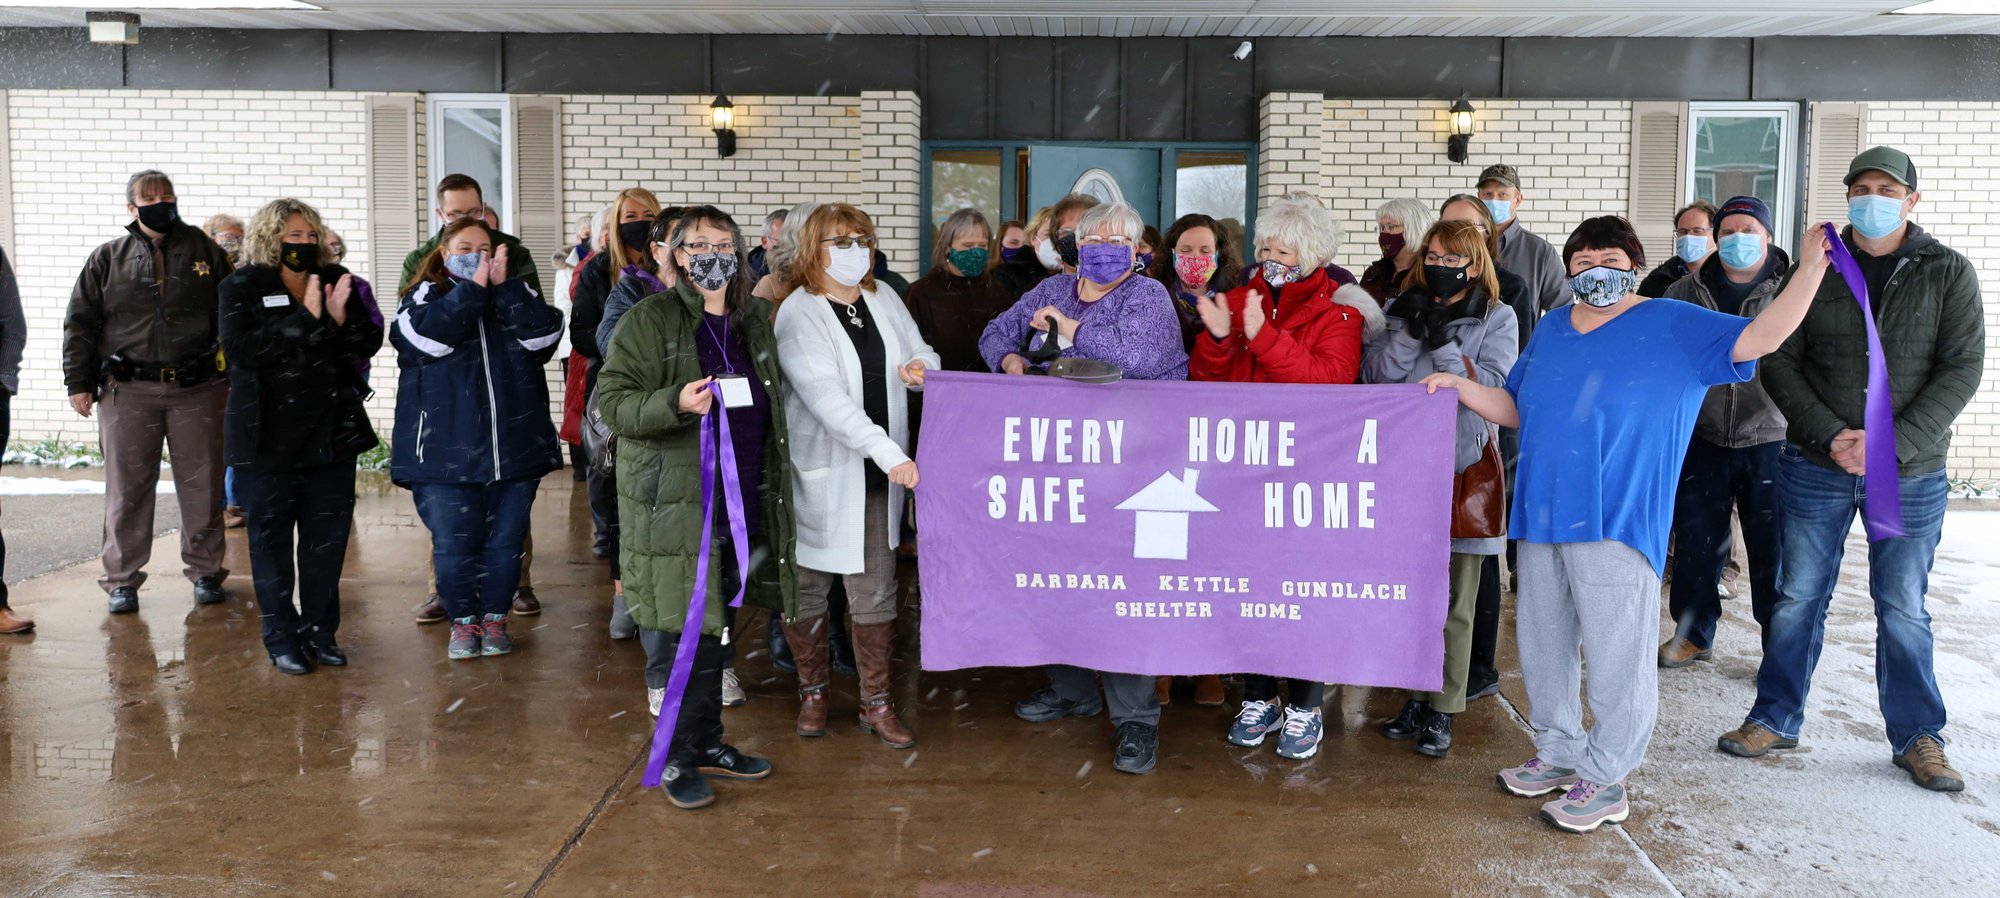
(54, 453)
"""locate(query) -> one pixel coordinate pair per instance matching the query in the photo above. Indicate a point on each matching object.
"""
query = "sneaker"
(654, 699)
(732, 689)
(1681, 652)
(1409, 722)
(1753, 740)
(1537, 777)
(1928, 766)
(1300, 739)
(1481, 690)
(1138, 748)
(1253, 723)
(728, 763)
(495, 641)
(1586, 806)
(208, 591)
(431, 610)
(686, 788)
(1435, 740)
(1044, 706)
(466, 633)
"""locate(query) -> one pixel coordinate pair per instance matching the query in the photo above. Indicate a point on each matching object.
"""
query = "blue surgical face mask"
(1691, 247)
(1503, 210)
(1875, 216)
(464, 266)
(1741, 251)
(1601, 287)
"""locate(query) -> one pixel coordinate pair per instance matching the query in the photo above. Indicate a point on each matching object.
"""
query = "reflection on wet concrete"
(160, 754)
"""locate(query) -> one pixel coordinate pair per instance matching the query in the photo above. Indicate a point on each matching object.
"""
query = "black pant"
(604, 515)
(1486, 608)
(1714, 479)
(317, 503)
(699, 726)
(6, 433)
(1298, 693)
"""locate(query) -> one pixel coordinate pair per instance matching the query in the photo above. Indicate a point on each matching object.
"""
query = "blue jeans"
(1819, 507)
(229, 488)
(477, 530)
(1715, 479)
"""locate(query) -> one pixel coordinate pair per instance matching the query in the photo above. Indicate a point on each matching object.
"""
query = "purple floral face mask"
(1103, 263)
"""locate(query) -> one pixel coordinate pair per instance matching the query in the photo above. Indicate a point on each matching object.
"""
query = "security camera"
(1242, 51)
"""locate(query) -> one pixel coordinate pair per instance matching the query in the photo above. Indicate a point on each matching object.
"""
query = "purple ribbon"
(1883, 501)
(732, 492)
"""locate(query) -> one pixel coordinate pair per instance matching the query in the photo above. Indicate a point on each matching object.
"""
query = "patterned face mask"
(711, 271)
(1278, 274)
(1194, 270)
(464, 266)
(1602, 287)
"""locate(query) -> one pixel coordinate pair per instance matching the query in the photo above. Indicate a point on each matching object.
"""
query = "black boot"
(781, 651)
(1410, 722)
(1435, 741)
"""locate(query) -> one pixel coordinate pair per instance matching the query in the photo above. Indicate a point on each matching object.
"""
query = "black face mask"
(1066, 248)
(1446, 282)
(300, 257)
(160, 217)
(633, 234)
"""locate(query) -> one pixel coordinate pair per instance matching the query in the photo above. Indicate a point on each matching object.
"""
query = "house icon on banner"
(1161, 530)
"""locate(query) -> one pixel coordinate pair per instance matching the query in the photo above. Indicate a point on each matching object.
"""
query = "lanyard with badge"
(735, 386)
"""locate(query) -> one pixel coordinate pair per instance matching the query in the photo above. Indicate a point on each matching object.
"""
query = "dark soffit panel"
(1628, 68)
(229, 58)
(1223, 91)
(1381, 67)
(1090, 103)
(1955, 67)
(603, 63)
(956, 101)
(1155, 95)
(1025, 86)
(812, 65)
(444, 61)
(48, 58)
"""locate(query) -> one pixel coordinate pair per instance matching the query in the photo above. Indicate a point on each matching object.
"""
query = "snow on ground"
(52, 486)
(1834, 816)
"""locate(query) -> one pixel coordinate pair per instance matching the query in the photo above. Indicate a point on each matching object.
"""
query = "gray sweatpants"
(1131, 698)
(1605, 597)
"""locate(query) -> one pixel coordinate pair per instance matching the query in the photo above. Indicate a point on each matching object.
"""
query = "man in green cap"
(1927, 310)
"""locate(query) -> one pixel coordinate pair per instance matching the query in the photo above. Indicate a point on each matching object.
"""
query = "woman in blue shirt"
(1605, 397)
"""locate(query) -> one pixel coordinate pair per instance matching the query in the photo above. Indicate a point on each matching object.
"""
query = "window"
(1738, 149)
(472, 134)
(1213, 183)
(965, 179)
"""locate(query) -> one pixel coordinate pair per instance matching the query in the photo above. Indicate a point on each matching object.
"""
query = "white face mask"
(1045, 252)
(848, 266)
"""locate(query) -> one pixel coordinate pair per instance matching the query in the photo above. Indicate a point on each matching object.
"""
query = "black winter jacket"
(295, 397)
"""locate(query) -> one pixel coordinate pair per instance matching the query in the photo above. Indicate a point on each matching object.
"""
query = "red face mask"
(1193, 270)
(1392, 244)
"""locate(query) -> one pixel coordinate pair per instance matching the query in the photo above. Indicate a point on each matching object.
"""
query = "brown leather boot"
(808, 639)
(13, 623)
(1208, 690)
(873, 644)
(1928, 766)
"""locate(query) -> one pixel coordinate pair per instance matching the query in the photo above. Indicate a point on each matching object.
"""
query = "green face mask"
(972, 262)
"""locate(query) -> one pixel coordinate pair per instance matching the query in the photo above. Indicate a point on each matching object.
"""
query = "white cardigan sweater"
(832, 439)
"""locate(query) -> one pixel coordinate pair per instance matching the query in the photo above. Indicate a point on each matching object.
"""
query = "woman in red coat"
(1291, 324)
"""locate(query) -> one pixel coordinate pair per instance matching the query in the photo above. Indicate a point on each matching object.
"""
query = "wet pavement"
(161, 754)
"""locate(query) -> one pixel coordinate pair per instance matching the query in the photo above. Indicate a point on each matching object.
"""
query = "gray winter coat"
(1534, 261)
(1736, 416)
(1395, 357)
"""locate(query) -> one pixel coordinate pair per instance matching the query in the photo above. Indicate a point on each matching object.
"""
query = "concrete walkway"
(161, 754)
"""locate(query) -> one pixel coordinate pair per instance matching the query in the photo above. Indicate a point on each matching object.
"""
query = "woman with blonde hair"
(851, 355)
(294, 331)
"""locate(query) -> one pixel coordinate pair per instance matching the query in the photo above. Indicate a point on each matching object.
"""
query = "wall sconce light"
(113, 27)
(1461, 130)
(724, 114)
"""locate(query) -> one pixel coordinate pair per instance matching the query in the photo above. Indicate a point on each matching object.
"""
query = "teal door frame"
(1161, 218)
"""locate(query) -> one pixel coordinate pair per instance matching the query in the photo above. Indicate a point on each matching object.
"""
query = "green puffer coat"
(659, 465)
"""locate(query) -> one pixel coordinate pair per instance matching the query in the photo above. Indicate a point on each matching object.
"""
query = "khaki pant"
(871, 594)
(134, 419)
(1458, 633)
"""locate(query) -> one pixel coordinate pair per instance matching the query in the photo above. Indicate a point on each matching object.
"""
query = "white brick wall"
(1959, 176)
(1289, 144)
(892, 174)
(1573, 157)
(227, 151)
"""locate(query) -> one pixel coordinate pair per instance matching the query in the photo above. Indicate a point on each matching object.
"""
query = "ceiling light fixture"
(113, 27)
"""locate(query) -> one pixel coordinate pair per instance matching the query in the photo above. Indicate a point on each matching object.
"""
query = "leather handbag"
(1478, 494)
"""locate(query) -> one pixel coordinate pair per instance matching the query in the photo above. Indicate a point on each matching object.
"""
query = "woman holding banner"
(1606, 397)
(852, 354)
(692, 375)
(1448, 318)
(1097, 309)
(1291, 324)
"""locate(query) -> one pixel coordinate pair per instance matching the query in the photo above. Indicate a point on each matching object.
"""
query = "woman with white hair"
(773, 287)
(1291, 324)
(1107, 312)
(1396, 220)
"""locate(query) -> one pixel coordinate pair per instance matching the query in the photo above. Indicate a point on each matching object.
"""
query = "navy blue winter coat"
(473, 404)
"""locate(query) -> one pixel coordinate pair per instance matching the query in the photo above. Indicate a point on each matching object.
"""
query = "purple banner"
(1186, 528)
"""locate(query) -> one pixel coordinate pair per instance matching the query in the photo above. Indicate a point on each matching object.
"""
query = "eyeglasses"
(1448, 260)
(1694, 232)
(850, 242)
(700, 248)
(1095, 240)
(475, 212)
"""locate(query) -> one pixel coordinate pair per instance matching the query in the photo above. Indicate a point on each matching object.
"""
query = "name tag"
(277, 302)
(735, 391)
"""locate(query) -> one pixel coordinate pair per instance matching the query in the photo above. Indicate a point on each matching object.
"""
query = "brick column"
(891, 174)
(1289, 126)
